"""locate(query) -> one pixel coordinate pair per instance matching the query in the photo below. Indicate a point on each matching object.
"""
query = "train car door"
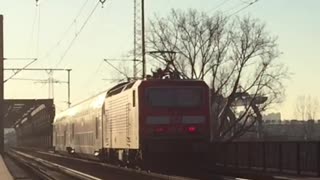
(107, 129)
(65, 137)
(131, 118)
(128, 117)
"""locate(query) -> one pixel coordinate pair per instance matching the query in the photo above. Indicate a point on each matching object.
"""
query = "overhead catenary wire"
(37, 44)
(77, 34)
(38, 31)
(90, 78)
(29, 44)
(243, 8)
(48, 53)
(15, 73)
(19, 59)
(28, 79)
(218, 6)
(106, 60)
(96, 74)
(237, 6)
(59, 42)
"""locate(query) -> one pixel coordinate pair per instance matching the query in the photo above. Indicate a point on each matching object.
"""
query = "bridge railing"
(301, 158)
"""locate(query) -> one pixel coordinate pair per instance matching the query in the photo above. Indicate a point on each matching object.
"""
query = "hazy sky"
(108, 34)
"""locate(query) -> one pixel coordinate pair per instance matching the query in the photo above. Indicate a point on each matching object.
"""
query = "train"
(137, 120)
(35, 127)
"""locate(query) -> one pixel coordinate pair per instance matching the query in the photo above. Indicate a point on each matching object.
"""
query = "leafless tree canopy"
(306, 108)
(238, 56)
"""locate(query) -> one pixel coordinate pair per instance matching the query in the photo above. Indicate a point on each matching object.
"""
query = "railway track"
(46, 170)
(48, 165)
(108, 171)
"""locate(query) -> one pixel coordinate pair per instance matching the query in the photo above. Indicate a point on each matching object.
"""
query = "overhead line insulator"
(102, 2)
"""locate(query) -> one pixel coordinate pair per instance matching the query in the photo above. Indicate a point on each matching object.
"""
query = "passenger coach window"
(97, 127)
(72, 126)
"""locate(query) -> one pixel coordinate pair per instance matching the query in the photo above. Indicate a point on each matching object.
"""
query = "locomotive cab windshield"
(179, 97)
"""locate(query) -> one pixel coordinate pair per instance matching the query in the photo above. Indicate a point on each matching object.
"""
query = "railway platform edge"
(4, 171)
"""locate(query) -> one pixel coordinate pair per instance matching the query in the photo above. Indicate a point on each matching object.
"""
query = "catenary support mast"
(1, 88)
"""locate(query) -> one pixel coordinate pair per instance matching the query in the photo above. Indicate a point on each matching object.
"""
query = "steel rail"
(114, 168)
(42, 170)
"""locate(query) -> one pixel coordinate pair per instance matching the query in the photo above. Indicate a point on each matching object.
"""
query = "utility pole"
(143, 42)
(1, 88)
(69, 103)
(135, 39)
(139, 51)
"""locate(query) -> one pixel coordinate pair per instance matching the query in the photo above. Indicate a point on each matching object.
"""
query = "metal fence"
(301, 158)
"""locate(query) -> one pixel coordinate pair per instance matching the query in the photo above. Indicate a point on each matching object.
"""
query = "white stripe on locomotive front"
(153, 120)
(158, 120)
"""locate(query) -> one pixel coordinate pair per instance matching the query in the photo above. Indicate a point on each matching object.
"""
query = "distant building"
(8, 130)
(272, 116)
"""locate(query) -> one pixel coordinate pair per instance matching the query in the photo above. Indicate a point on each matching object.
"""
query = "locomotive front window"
(174, 97)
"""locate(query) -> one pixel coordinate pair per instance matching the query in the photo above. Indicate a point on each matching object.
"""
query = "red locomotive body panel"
(174, 115)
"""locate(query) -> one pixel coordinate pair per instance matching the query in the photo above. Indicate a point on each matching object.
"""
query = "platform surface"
(4, 172)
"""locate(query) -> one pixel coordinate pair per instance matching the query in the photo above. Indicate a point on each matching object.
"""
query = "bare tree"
(196, 39)
(123, 69)
(312, 108)
(238, 56)
(306, 107)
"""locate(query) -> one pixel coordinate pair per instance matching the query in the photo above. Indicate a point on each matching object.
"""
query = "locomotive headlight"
(70, 150)
(96, 153)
